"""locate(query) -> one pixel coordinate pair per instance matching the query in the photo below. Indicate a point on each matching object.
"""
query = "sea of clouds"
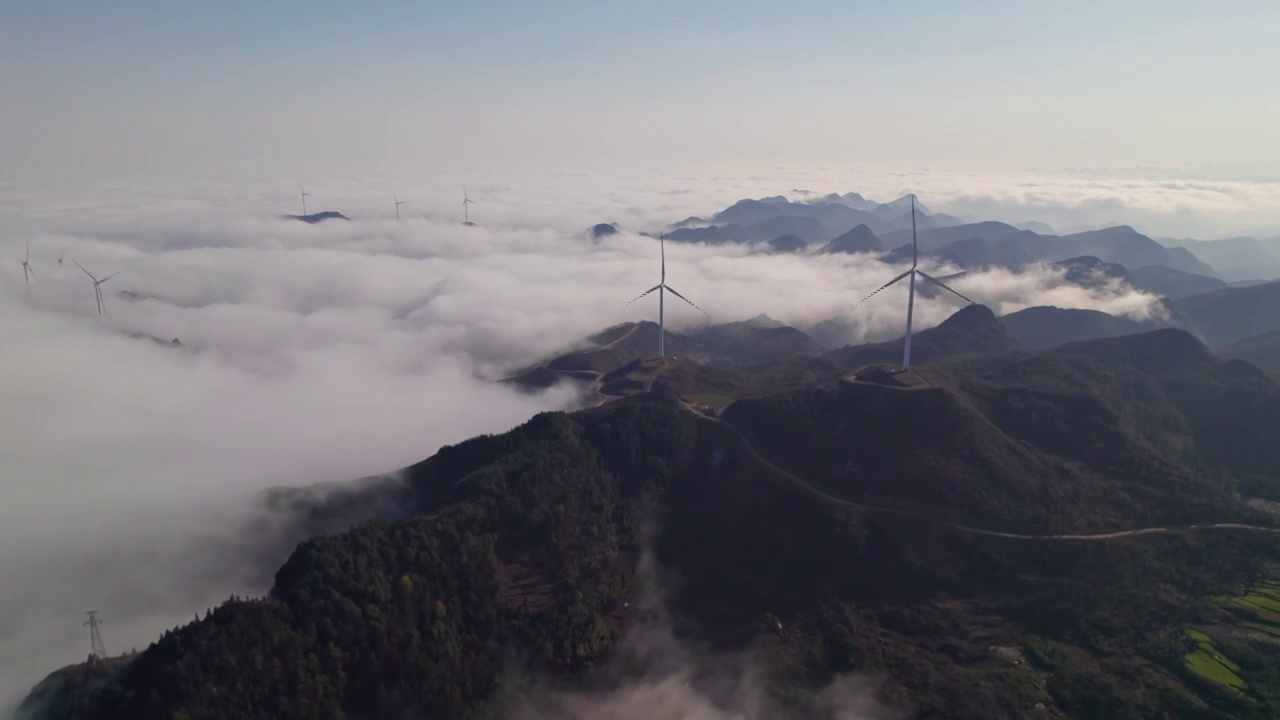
(347, 349)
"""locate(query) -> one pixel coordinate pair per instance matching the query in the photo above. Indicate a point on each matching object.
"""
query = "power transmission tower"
(97, 648)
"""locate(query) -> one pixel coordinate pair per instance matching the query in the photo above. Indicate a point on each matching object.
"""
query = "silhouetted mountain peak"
(858, 240)
(1159, 351)
(1089, 272)
(971, 329)
(787, 243)
(972, 317)
(314, 218)
(852, 199)
(902, 204)
(604, 229)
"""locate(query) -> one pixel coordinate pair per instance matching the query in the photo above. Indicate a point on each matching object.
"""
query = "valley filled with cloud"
(330, 352)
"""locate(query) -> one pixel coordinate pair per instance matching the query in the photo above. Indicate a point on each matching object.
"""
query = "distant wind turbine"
(62, 252)
(97, 287)
(304, 194)
(911, 293)
(27, 272)
(466, 200)
(399, 202)
(663, 288)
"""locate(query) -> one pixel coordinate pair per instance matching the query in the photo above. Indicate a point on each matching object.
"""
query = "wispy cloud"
(330, 352)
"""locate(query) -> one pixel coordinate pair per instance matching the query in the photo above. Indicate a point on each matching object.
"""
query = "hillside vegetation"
(829, 524)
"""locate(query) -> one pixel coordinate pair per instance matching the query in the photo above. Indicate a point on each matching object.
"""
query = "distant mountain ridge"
(1174, 284)
(319, 217)
(1232, 314)
(1239, 258)
(852, 223)
(1261, 350)
(999, 535)
(1044, 327)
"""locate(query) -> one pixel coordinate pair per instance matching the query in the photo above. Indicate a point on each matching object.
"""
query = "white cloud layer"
(336, 351)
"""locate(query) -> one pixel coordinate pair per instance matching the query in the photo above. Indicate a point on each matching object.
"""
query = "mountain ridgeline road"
(812, 490)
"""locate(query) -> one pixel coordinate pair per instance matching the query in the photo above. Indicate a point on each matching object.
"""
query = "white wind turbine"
(97, 287)
(911, 293)
(663, 288)
(304, 194)
(399, 202)
(466, 200)
(27, 272)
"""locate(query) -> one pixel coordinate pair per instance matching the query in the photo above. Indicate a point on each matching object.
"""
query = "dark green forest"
(516, 560)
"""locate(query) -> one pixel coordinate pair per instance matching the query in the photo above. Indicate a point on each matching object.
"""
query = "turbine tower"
(466, 200)
(97, 287)
(62, 253)
(97, 648)
(910, 275)
(27, 272)
(663, 288)
(304, 194)
(399, 202)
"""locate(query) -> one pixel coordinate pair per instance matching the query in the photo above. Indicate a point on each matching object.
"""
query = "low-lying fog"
(346, 349)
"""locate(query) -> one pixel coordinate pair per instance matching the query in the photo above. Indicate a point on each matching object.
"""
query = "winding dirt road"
(823, 496)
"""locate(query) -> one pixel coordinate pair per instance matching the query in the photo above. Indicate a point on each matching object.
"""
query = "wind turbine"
(663, 288)
(27, 272)
(399, 202)
(97, 287)
(304, 200)
(62, 252)
(466, 200)
(910, 275)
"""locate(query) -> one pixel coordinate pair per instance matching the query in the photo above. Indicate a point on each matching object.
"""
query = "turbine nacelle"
(911, 275)
(27, 271)
(97, 287)
(662, 288)
(466, 200)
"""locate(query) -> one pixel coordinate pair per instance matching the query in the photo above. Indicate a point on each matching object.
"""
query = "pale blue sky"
(138, 87)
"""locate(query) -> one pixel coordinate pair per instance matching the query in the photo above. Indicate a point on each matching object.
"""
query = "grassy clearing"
(1268, 588)
(1263, 627)
(1199, 637)
(1212, 665)
(715, 402)
(1257, 602)
(1207, 654)
(1204, 665)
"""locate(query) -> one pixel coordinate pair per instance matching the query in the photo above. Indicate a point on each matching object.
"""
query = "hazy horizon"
(147, 89)
(165, 141)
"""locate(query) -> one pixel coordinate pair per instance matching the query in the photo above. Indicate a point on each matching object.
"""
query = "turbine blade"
(28, 251)
(882, 287)
(673, 292)
(942, 285)
(29, 269)
(915, 248)
(108, 277)
(646, 292)
(86, 272)
(662, 244)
